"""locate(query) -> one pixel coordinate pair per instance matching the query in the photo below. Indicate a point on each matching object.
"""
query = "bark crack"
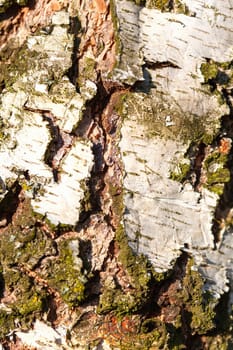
(60, 144)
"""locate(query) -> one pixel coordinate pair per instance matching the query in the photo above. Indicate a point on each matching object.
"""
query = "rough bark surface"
(116, 227)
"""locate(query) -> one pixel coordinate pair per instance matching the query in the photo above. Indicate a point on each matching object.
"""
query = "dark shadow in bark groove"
(93, 114)
(14, 9)
(85, 247)
(73, 72)
(2, 285)
(52, 309)
(225, 203)
(143, 85)
(54, 145)
(10, 202)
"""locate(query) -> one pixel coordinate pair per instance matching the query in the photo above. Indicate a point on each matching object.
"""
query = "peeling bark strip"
(116, 175)
(98, 40)
(17, 23)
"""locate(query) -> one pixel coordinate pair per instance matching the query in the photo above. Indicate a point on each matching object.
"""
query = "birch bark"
(116, 174)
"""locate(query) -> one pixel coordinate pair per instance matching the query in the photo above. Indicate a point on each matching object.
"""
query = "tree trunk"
(116, 174)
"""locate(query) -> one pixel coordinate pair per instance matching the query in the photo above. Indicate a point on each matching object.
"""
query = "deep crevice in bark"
(91, 123)
(159, 65)
(73, 72)
(10, 202)
(223, 211)
(14, 10)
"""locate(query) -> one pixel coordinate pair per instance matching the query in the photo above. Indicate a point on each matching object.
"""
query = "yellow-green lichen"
(139, 2)
(181, 172)
(217, 173)
(26, 301)
(22, 61)
(87, 70)
(117, 200)
(199, 304)
(209, 71)
(151, 111)
(141, 276)
(176, 6)
(29, 298)
(120, 106)
(65, 273)
(23, 247)
(118, 45)
(25, 62)
(219, 342)
(221, 72)
(25, 243)
(158, 4)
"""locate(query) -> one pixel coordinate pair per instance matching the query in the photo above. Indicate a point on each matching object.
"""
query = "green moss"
(64, 273)
(61, 91)
(220, 73)
(23, 60)
(197, 130)
(21, 248)
(25, 245)
(28, 299)
(141, 276)
(220, 342)
(7, 323)
(86, 204)
(219, 176)
(180, 173)
(207, 139)
(117, 200)
(159, 4)
(158, 338)
(113, 298)
(121, 303)
(199, 304)
(209, 71)
(139, 269)
(180, 7)
(119, 106)
(87, 71)
(217, 172)
(117, 41)
(164, 5)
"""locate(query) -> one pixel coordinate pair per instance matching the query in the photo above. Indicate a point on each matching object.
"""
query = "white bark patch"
(161, 217)
(44, 337)
(40, 108)
(183, 41)
(24, 150)
(61, 201)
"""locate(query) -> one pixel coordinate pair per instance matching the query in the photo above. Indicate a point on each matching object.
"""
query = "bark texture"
(116, 174)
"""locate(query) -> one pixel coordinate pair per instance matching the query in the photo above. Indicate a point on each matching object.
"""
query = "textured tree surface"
(116, 210)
